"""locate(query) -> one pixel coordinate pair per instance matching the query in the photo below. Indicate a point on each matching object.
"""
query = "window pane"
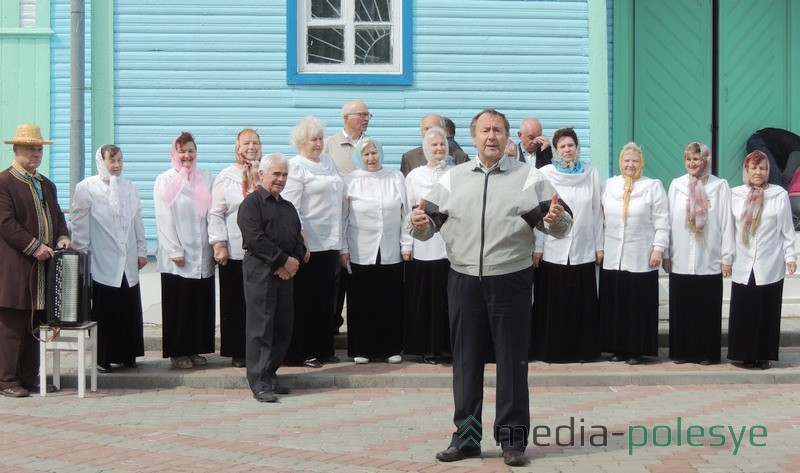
(373, 45)
(326, 8)
(373, 10)
(325, 46)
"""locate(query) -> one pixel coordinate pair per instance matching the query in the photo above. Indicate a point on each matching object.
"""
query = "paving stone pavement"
(399, 430)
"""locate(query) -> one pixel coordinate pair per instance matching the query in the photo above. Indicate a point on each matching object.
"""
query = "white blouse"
(226, 196)
(373, 210)
(628, 247)
(181, 232)
(419, 182)
(772, 246)
(705, 254)
(114, 250)
(581, 192)
(315, 189)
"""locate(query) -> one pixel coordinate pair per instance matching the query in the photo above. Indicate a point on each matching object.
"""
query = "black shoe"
(680, 362)
(514, 457)
(131, 365)
(454, 454)
(104, 368)
(238, 362)
(278, 389)
(708, 362)
(49, 389)
(635, 360)
(431, 360)
(312, 363)
(617, 357)
(332, 359)
(265, 396)
(762, 364)
(748, 365)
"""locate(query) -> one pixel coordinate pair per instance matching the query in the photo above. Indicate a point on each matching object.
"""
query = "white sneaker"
(394, 359)
(360, 360)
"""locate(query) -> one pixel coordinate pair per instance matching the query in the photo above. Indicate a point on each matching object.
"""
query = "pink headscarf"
(697, 202)
(754, 204)
(189, 176)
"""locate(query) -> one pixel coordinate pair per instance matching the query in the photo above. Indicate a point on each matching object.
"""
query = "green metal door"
(673, 82)
(753, 76)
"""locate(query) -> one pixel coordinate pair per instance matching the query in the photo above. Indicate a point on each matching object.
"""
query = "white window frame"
(398, 72)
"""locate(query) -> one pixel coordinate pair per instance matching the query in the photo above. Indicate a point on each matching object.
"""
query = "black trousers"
(270, 315)
(493, 308)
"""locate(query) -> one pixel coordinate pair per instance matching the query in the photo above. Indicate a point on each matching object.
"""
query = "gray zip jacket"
(486, 217)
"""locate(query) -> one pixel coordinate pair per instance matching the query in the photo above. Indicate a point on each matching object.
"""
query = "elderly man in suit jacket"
(31, 225)
(415, 158)
(533, 146)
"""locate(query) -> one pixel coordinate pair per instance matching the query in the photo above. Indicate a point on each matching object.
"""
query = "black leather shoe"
(265, 396)
(431, 360)
(312, 363)
(762, 364)
(634, 360)
(104, 368)
(131, 365)
(680, 362)
(617, 357)
(748, 365)
(278, 389)
(454, 454)
(49, 389)
(708, 362)
(514, 458)
(332, 359)
(238, 362)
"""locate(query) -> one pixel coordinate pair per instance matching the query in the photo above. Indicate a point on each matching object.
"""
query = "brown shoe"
(15, 391)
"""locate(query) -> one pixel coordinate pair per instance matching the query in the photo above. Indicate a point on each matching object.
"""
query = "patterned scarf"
(697, 201)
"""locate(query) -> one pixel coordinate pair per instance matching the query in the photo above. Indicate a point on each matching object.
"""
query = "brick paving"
(392, 430)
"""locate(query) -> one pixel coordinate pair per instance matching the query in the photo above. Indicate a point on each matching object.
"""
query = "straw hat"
(28, 134)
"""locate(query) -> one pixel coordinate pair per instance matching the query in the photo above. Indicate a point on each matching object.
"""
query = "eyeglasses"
(362, 114)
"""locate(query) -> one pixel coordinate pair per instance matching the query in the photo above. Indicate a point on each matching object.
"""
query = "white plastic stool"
(79, 338)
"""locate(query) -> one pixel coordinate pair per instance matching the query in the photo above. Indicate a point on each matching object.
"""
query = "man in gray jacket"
(486, 210)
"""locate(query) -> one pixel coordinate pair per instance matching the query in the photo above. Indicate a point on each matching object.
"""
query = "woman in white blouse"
(106, 219)
(635, 236)
(374, 247)
(426, 329)
(315, 189)
(765, 252)
(230, 187)
(701, 251)
(182, 196)
(564, 325)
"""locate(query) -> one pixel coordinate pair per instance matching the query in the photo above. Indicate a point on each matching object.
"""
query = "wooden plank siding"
(216, 67)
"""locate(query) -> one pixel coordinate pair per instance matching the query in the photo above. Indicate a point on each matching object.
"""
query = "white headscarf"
(118, 206)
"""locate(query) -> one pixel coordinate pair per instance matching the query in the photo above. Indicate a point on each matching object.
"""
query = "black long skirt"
(754, 326)
(232, 310)
(565, 319)
(695, 317)
(375, 310)
(315, 294)
(188, 315)
(629, 312)
(426, 326)
(120, 331)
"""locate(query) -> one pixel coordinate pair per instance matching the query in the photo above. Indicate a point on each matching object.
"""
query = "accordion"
(69, 288)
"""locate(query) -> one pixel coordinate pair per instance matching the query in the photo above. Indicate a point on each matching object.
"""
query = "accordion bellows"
(69, 288)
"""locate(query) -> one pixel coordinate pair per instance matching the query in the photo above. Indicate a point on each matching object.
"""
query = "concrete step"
(155, 372)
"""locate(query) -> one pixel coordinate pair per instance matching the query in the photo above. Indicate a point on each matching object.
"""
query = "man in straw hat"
(31, 225)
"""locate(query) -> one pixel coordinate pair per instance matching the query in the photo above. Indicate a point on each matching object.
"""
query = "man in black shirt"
(273, 241)
(782, 148)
